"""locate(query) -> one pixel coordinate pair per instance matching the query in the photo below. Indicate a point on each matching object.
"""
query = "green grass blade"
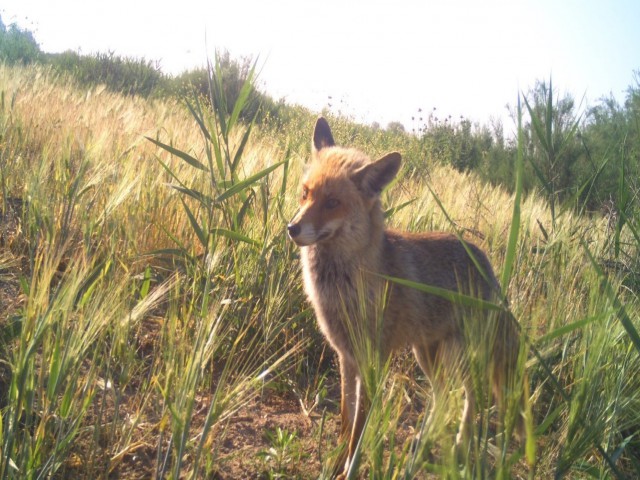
(620, 310)
(146, 283)
(618, 451)
(164, 251)
(542, 428)
(538, 128)
(570, 327)
(549, 117)
(590, 182)
(543, 179)
(632, 228)
(514, 231)
(393, 210)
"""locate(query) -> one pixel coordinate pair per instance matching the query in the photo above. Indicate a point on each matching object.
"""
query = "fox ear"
(322, 137)
(372, 178)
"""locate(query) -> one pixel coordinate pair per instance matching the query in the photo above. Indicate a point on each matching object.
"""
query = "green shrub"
(128, 75)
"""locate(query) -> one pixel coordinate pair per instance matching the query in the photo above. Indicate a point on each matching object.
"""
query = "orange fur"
(344, 244)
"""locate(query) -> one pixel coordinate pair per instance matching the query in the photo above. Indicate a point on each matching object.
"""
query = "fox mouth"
(323, 236)
(306, 242)
(305, 239)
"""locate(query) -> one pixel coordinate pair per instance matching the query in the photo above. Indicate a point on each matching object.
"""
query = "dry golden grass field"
(153, 323)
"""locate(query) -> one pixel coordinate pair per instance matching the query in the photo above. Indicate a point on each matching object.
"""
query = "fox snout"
(302, 233)
(294, 230)
(304, 230)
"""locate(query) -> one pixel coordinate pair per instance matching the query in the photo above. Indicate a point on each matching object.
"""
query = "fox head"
(340, 198)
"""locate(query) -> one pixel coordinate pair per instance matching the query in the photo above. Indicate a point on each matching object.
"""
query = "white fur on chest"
(330, 286)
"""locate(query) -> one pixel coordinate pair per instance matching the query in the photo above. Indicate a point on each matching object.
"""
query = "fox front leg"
(351, 419)
(353, 411)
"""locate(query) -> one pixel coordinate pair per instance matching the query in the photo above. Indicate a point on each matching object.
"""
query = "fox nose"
(293, 229)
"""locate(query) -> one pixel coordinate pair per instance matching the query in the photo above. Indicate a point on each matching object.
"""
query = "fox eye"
(305, 193)
(332, 203)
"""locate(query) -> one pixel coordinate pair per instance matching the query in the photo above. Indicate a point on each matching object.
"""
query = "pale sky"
(378, 60)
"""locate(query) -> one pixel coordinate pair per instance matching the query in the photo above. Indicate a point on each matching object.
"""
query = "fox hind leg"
(440, 362)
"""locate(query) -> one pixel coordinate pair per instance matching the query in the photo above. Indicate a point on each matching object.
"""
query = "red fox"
(345, 249)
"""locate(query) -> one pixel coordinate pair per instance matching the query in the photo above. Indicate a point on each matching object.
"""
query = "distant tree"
(468, 146)
(233, 74)
(611, 139)
(552, 145)
(395, 127)
(497, 160)
(17, 45)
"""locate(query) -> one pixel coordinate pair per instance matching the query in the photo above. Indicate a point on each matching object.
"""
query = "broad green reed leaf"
(247, 182)
(464, 244)
(242, 146)
(169, 171)
(244, 209)
(217, 154)
(220, 99)
(223, 232)
(180, 154)
(198, 117)
(195, 225)
(243, 98)
(530, 445)
(451, 295)
(285, 174)
(196, 195)
(211, 141)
